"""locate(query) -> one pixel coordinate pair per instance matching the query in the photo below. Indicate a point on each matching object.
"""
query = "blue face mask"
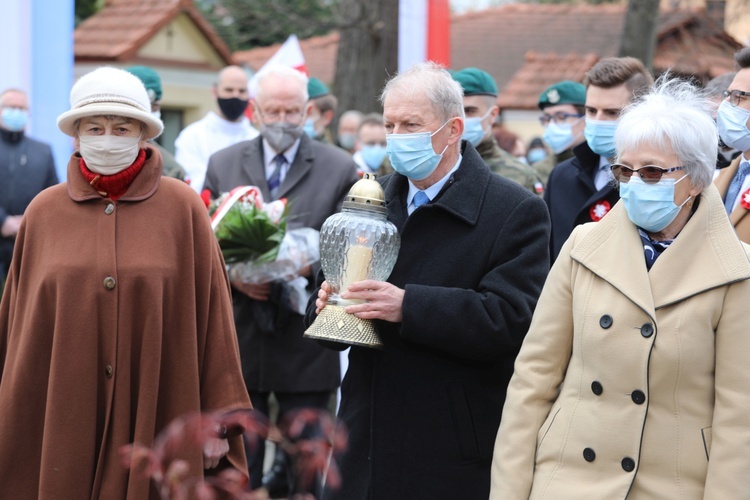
(536, 154)
(600, 136)
(732, 124)
(473, 130)
(412, 155)
(558, 137)
(373, 155)
(309, 128)
(14, 119)
(650, 206)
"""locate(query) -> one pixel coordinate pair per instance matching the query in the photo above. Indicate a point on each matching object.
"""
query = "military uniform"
(169, 166)
(544, 167)
(506, 165)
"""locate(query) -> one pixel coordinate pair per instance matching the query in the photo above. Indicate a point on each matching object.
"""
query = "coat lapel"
(705, 255)
(254, 166)
(614, 252)
(722, 184)
(303, 162)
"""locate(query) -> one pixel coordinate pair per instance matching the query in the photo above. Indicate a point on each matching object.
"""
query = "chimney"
(716, 10)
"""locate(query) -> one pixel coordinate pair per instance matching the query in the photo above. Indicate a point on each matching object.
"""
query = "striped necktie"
(275, 180)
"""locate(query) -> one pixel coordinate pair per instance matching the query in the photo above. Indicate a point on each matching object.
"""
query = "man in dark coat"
(580, 189)
(283, 163)
(26, 168)
(423, 412)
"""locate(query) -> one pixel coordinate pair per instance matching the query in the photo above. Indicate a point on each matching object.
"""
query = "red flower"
(599, 210)
(206, 197)
(745, 200)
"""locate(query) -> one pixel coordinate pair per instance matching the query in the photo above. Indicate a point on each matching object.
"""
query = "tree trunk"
(367, 55)
(639, 34)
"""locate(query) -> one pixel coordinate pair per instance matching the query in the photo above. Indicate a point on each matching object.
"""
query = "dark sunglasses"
(651, 174)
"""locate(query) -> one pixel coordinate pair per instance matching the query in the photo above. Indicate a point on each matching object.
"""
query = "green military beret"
(150, 79)
(564, 92)
(316, 88)
(474, 81)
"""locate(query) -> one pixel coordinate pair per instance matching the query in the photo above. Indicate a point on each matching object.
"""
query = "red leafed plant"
(309, 437)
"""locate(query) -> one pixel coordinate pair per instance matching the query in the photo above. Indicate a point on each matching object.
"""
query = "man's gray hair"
(283, 72)
(445, 93)
(676, 114)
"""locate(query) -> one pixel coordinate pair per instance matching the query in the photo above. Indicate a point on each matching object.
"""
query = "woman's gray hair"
(676, 114)
(445, 93)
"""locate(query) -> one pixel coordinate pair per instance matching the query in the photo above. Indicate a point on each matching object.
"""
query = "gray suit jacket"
(318, 180)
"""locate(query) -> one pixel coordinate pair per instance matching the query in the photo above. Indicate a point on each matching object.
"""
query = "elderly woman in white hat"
(117, 313)
(633, 379)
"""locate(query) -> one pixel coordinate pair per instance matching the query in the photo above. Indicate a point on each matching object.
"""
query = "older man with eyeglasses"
(283, 163)
(732, 119)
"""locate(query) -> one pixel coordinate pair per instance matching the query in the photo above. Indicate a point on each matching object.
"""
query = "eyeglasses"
(651, 174)
(275, 116)
(735, 96)
(558, 118)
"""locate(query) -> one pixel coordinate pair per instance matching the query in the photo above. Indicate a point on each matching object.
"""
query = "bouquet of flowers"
(255, 242)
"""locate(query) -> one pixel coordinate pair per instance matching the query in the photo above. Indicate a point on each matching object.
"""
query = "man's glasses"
(735, 96)
(650, 174)
(558, 118)
(276, 116)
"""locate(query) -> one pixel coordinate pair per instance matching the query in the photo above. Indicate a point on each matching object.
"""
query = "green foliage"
(248, 234)
(245, 24)
(86, 8)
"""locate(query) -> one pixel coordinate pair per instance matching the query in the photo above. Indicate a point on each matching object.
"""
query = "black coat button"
(605, 321)
(597, 388)
(638, 397)
(589, 455)
(628, 464)
(647, 330)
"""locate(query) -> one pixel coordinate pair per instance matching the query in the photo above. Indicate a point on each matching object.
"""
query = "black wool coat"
(423, 412)
(572, 197)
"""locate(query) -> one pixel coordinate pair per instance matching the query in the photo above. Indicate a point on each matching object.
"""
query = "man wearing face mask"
(314, 177)
(562, 118)
(217, 130)
(715, 89)
(732, 119)
(480, 95)
(26, 168)
(347, 129)
(371, 155)
(579, 189)
(322, 111)
(423, 411)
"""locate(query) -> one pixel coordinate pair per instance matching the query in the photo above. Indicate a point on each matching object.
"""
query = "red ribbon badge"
(599, 210)
(745, 200)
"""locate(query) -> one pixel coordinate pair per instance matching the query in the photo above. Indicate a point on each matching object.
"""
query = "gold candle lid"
(366, 194)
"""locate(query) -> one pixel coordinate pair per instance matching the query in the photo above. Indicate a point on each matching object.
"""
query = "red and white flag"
(423, 32)
(289, 54)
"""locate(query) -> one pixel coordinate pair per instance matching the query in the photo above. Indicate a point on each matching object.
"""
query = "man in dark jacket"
(580, 189)
(423, 412)
(26, 168)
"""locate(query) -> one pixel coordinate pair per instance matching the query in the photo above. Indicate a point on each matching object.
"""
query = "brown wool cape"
(116, 319)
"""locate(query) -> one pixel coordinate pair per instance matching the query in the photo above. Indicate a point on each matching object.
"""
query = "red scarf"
(114, 186)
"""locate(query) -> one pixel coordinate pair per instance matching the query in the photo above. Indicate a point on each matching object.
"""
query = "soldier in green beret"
(152, 82)
(322, 112)
(563, 108)
(480, 95)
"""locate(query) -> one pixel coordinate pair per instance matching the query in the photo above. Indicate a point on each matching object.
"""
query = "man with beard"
(314, 177)
(217, 130)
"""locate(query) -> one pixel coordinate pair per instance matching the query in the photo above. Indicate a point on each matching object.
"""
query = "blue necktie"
(734, 187)
(420, 198)
(275, 180)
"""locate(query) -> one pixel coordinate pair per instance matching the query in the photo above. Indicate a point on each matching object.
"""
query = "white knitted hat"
(110, 91)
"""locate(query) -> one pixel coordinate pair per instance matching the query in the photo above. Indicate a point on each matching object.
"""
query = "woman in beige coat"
(634, 380)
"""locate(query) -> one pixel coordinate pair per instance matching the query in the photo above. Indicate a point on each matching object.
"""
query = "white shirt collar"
(269, 154)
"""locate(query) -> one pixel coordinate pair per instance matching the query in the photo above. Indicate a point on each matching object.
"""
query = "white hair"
(676, 114)
(283, 72)
(445, 93)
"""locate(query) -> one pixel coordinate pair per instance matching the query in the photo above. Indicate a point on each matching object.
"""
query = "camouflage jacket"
(169, 166)
(544, 166)
(506, 165)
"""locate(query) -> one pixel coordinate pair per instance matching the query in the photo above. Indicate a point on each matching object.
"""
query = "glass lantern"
(356, 244)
